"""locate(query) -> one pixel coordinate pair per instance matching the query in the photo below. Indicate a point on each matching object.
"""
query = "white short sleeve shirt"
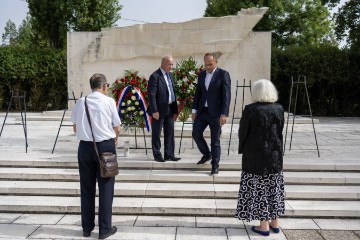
(103, 114)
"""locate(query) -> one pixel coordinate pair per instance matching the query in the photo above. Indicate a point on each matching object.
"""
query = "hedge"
(333, 77)
(40, 72)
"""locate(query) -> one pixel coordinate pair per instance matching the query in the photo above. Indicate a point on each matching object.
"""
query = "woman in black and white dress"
(261, 194)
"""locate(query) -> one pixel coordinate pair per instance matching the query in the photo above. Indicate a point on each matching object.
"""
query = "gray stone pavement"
(338, 138)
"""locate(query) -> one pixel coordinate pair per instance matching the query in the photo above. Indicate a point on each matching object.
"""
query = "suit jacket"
(261, 139)
(158, 95)
(217, 96)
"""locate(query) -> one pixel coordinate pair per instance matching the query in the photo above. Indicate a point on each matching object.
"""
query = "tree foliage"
(333, 78)
(51, 19)
(348, 23)
(10, 33)
(293, 22)
(92, 15)
(41, 72)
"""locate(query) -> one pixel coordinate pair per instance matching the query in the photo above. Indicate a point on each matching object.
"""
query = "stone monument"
(244, 53)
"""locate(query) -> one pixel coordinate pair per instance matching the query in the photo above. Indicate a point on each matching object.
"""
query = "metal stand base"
(242, 105)
(22, 104)
(62, 119)
(301, 81)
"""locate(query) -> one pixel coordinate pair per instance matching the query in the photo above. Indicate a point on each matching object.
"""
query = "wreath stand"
(300, 81)
(242, 105)
(22, 103)
(182, 133)
(62, 119)
(136, 145)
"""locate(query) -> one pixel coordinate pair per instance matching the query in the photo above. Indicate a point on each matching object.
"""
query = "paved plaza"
(39, 191)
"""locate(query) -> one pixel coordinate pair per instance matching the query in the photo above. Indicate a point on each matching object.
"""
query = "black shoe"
(111, 232)
(86, 234)
(159, 159)
(204, 159)
(214, 170)
(172, 158)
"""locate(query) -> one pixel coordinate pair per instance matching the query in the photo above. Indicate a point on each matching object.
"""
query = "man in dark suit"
(211, 108)
(163, 109)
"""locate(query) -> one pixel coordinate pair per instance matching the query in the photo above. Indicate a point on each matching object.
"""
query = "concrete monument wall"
(244, 53)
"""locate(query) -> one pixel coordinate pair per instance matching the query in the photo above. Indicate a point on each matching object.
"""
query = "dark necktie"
(172, 95)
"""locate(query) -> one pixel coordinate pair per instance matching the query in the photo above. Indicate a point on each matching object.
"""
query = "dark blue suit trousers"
(90, 172)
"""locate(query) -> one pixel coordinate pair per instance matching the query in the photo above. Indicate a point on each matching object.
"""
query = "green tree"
(92, 15)
(348, 23)
(293, 22)
(51, 19)
(10, 33)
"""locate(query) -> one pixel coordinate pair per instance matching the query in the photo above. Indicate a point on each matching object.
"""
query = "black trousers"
(202, 120)
(169, 141)
(90, 172)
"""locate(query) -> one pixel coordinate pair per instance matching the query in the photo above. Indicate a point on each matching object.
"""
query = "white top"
(167, 84)
(103, 114)
(208, 80)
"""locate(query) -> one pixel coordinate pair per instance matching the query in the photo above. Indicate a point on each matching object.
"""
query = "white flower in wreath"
(192, 72)
(133, 98)
(122, 111)
(141, 112)
(137, 103)
(135, 113)
(185, 79)
(122, 104)
(133, 91)
(128, 102)
(179, 83)
(129, 109)
(133, 108)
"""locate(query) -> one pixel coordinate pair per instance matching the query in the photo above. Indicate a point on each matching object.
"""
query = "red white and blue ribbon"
(143, 104)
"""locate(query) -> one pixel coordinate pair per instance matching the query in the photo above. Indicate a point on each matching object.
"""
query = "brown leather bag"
(107, 160)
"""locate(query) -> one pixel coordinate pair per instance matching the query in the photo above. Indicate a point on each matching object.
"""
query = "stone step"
(178, 176)
(176, 190)
(141, 161)
(174, 206)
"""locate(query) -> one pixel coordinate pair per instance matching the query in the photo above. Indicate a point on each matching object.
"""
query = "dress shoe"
(86, 234)
(263, 233)
(214, 170)
(172, 158)
(112, 231)
(159, 159)
(204, 159)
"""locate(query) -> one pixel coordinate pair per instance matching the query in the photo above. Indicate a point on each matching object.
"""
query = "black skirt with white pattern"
(261, 197)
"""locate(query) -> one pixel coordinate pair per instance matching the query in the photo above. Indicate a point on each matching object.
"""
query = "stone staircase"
(315, 187)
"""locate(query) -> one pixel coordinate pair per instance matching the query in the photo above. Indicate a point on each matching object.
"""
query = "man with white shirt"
(163, 109)
(105, 123)
(211, 108)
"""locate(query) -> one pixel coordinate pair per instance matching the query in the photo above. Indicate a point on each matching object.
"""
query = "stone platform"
(39, 191)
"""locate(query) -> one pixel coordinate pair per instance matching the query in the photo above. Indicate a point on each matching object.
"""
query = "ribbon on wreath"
(143, 104)
(181, 105)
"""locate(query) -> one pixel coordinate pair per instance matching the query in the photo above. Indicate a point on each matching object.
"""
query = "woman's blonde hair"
(264, 90)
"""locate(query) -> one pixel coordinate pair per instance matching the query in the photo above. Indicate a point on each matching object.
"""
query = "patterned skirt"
(261, 197)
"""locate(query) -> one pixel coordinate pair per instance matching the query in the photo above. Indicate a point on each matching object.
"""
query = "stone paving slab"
(174, 227)
(10, 231)
(165, 221)
(201, 234)
(338, 224)
(299, 224)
